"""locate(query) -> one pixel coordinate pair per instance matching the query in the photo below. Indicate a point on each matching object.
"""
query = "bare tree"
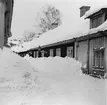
(28, 36)
(48, 18)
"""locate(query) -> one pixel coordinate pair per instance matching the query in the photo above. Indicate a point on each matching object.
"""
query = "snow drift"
(64, 84)
(15, 71)
(55, 64)
(47, 81)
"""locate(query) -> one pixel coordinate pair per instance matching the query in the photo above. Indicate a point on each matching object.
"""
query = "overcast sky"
(25, 11)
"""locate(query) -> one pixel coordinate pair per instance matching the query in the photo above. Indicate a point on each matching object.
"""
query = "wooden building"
(62, 49)
(6, 10)
(90, 49)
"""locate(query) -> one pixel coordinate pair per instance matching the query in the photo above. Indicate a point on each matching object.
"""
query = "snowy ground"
(47, 81)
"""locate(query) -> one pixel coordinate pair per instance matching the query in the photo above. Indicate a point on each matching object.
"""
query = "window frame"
(42, 53)
(71, 53)
(97, 20)
(51, 52)
(99, 50)
(58, 52)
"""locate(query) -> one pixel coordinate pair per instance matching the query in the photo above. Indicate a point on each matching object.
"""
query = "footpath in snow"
(47, 81)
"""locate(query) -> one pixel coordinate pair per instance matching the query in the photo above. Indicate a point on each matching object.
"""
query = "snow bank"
(64, 84)
(15, 71)
(59, 81)
(55, 64)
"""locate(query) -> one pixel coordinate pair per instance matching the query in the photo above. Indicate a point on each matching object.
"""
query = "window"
(42, 53)
(51, 52)
(98, 61)
(70, 51)
(58, 52)
(96, 21)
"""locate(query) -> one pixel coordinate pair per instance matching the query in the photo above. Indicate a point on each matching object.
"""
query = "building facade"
(90, 49)
(6, 10)
(93, 47)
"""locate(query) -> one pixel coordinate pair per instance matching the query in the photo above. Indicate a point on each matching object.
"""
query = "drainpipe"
(88, 46)
(75, 49)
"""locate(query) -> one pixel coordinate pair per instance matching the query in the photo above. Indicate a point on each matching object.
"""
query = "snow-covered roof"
(94, 10)
(61, 33)
(18, 48)
(72, 28)
(75, 27)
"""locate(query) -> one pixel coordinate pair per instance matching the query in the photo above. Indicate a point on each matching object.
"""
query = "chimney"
(83, 10)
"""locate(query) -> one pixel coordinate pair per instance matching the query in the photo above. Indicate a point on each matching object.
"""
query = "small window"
(97, 21)
(98, 59)
(51, 52)
(42, 53)
(70, 51)
(58, 52)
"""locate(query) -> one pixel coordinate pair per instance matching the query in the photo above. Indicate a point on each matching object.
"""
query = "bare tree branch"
(49, 18)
